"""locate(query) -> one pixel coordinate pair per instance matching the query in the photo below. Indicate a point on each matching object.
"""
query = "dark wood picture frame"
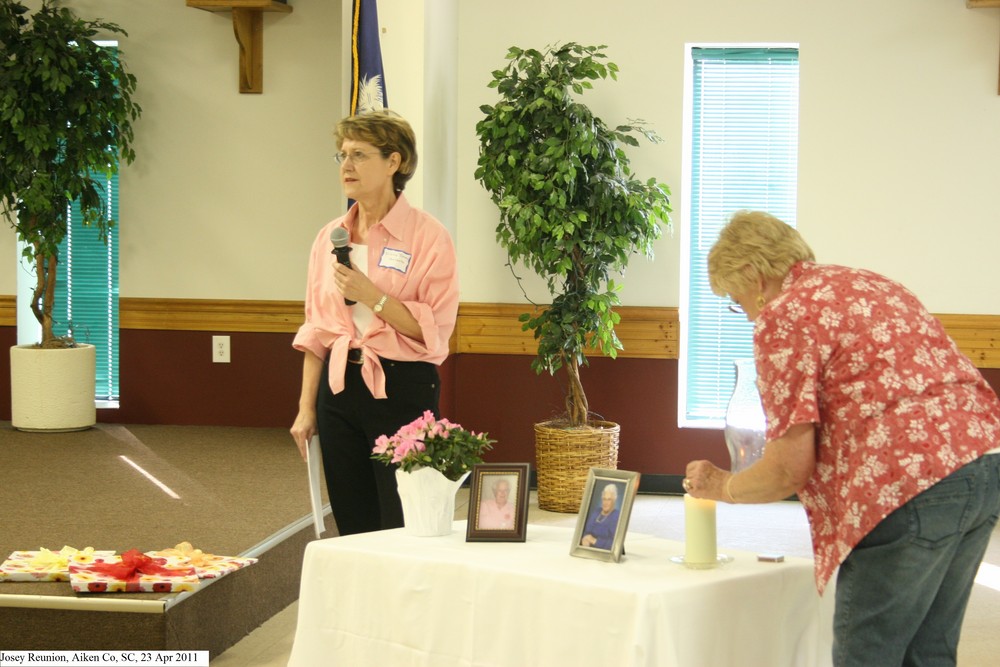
(487, 523)
(604, 538)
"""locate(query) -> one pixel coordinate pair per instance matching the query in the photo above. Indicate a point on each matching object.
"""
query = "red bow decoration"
(134, 563)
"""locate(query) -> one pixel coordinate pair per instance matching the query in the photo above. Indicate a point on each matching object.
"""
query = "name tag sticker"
(396, 260)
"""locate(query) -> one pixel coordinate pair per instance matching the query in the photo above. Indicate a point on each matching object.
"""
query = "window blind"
(744, 144)
(87, 290)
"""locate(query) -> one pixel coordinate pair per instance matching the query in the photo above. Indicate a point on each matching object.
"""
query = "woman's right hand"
(303, 430)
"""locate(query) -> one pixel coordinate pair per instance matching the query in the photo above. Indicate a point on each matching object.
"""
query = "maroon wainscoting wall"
(503, 396)
(167, 377)
(8, 339)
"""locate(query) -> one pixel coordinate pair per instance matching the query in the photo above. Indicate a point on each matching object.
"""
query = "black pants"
(362, 491)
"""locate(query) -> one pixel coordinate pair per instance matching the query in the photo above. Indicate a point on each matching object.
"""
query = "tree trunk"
(576, 401)
(43, 296)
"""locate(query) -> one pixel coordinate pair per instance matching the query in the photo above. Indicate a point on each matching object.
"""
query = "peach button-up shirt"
(411, 257)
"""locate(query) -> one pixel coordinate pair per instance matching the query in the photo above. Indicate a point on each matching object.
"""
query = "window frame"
(738, 331)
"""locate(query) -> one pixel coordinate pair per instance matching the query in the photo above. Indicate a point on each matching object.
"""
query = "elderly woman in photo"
(497, 512)
(884, 429)
(599, 531)
(375, 331)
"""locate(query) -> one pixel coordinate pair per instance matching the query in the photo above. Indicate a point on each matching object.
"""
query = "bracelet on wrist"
(728, 490)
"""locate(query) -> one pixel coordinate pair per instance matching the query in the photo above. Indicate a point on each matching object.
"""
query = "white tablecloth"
(388, 599)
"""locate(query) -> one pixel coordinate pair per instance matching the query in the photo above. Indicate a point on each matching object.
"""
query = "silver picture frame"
(604, 514)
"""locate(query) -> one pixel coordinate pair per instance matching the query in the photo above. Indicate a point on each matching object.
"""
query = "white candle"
(699, 530)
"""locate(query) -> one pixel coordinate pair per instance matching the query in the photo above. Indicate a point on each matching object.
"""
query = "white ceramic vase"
(428, 499)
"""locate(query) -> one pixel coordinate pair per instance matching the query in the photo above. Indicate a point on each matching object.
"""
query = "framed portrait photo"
(604, 513)
(498, 503)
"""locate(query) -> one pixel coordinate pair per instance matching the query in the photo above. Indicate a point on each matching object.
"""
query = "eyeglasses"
(736, 308)
(357, 157)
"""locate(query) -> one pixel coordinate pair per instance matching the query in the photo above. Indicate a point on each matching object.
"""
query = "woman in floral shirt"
(884, 429)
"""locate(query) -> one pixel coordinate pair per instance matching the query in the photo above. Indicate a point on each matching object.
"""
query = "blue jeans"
(902, 591)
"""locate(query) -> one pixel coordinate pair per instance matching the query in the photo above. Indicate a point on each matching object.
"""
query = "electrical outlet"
(220, 349)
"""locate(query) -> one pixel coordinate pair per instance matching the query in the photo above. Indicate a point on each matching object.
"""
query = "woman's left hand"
(354, 285)
(705, 480)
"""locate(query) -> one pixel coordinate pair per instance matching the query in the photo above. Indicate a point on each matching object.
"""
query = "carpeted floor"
(238, 486)
(224, 490)
(233, 486)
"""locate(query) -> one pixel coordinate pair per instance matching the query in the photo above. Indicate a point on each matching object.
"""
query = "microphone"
(341, 239)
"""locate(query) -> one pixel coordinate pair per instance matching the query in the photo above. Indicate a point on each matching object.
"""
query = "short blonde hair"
(387, 131)
(754, 245)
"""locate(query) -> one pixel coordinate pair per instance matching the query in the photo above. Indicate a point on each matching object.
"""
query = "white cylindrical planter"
(52, 390)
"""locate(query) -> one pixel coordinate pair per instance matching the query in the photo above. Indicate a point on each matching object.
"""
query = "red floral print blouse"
(897, 406)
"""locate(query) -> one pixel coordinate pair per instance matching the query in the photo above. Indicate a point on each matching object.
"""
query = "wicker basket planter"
(564, 456)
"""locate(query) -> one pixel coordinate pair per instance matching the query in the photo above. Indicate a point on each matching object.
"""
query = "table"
(391, 599)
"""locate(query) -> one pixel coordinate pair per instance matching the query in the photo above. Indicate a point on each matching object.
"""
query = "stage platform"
(227, 491)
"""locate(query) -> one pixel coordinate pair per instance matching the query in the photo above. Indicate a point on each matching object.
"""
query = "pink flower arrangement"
(427, 442)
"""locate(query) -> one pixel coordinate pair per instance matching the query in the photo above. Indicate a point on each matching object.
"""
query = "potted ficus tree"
(66, 115)
(572, 211)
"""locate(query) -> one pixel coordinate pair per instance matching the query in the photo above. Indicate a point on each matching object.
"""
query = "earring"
(760, 301)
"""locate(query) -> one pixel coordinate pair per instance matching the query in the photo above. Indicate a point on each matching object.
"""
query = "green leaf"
(72, 112)
(570, 207)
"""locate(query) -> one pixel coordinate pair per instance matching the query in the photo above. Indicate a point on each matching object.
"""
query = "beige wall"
(227, 190)
(899, 143)
(899, 136)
